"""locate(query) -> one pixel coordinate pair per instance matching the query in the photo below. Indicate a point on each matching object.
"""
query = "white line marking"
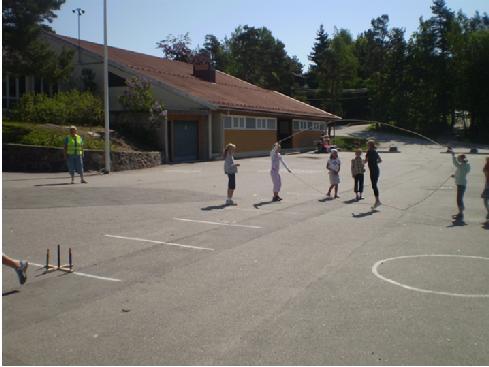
(84, 274)
(216, 223)
(283, 211)
(376, 273)
(159, 242)
(183, 170)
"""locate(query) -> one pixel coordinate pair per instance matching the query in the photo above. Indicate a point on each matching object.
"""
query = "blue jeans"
(75, 163)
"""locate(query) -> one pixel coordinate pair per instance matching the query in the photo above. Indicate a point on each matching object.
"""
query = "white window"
(249, 123)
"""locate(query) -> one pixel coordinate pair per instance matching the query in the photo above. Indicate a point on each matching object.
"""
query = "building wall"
(305, 139)
(217, 133)
(251, 140)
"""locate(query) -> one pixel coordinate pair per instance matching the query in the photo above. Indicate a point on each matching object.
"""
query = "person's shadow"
(261, 203)
(215, 207)
(457, 222)
(365, 214)
(8, 293)
(323, 200)
(54, 184)
(351, 201)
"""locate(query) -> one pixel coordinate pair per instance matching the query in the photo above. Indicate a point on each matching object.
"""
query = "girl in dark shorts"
(230, 168)
(373, 159)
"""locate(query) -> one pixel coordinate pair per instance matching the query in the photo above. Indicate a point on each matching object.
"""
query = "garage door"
(185, 138)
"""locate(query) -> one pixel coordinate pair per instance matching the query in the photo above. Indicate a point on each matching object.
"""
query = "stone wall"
(29, 158)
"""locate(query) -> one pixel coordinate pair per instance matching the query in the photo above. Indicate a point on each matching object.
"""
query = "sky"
(137, 25)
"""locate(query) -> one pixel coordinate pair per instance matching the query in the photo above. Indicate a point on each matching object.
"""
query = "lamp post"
(106, 94)
(79, 12)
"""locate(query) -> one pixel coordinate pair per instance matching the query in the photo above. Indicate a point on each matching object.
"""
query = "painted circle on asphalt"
(375, 271)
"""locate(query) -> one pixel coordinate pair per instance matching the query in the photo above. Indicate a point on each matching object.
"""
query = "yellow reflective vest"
(74, 145)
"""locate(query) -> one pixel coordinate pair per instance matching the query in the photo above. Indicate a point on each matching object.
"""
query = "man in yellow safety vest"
(74, 154)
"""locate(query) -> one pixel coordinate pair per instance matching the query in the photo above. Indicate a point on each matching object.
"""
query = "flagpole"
(106, 94)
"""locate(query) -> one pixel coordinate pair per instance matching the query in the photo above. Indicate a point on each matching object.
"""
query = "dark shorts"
(232, 181)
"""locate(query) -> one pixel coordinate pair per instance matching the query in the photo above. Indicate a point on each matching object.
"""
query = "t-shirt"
(229, 166)
(372, 159)
(276, 160)
(334, 164)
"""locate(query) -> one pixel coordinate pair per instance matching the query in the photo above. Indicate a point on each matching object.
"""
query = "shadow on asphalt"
(54, 184)
(215, 207)
(9, 293)
(457, 222)
(325, 200)
(365, 214)
(351, 201)
(261, 203)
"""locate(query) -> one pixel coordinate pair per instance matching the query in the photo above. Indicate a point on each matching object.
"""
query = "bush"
(73, 107)
(26, 133)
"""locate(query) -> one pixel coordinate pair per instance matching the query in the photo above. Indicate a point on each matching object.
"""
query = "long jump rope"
(365, 122)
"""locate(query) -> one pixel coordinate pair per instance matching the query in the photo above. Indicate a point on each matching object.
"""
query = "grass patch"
(349, 143)
(50, 135)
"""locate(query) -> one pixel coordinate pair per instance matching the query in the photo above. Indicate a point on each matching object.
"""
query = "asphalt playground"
(165, 274)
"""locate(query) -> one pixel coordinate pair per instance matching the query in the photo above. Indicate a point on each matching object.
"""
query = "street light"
(79, 12)
(106, 94)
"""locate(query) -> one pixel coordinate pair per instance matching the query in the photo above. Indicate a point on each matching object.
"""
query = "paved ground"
(283, 283)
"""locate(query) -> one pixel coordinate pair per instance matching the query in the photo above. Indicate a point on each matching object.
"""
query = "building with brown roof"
(206, 108)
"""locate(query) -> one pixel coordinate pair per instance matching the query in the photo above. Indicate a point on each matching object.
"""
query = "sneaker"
(275, 198)
(229, 202)
(22, 271)
(376, 204)
(83, 181)
(336, 197)
(279, 198)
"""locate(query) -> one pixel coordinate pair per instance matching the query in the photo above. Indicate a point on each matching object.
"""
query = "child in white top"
(275, 171)
(333, 167)
(230, 168)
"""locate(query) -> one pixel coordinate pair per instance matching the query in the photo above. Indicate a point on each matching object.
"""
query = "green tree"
(338, 70)
(24, 53)
(259, 58)
(217, 52)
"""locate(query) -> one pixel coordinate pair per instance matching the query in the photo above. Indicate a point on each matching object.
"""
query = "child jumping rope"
(462, 169)
(373, 159)
(275, 170)
(333, 167)
(230, 168)
(357, 171)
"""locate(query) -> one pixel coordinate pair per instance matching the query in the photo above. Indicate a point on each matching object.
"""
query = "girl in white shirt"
(275, 171)
(230, 168)
(333, 167)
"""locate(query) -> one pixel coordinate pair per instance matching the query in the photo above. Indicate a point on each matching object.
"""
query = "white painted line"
(83, 274)
(216, 223)
(376, 273)
(301, 171)
(183, 170)
(159, 242)
(282, 211)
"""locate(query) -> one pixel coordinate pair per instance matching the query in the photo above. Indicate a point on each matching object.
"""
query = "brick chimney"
(205, 72)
